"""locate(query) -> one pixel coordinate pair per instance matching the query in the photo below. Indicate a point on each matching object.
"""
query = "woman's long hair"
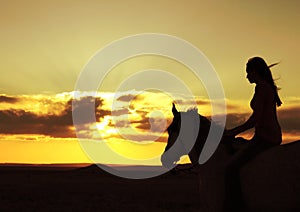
(258, 64)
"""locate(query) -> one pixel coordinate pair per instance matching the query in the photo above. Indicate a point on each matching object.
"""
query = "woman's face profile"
(252, 76)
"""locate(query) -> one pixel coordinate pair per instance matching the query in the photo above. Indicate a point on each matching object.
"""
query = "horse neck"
(200, 141)
(220, 153)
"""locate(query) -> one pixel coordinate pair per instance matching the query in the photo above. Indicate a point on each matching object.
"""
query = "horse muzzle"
(167, 162)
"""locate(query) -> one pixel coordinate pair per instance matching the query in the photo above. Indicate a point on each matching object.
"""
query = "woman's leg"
(233, 191)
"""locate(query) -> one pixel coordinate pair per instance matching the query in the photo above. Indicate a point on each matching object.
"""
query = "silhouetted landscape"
(89, 188)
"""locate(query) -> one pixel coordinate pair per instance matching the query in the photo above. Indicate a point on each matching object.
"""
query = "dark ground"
(91, 189)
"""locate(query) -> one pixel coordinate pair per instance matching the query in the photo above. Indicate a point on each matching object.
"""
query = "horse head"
(187, 134)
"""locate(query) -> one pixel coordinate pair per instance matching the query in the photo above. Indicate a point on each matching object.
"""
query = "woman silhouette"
(263, 119)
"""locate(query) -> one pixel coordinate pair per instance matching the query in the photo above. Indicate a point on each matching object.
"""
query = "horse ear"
(174, 110)
(196, 110)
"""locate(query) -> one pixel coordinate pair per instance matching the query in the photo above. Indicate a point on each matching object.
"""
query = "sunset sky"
(46, 44)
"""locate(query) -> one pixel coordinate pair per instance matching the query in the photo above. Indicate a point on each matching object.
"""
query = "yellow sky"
(45, 45)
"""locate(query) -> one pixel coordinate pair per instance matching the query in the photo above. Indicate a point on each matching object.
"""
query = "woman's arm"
(250, 123)
(257, 106)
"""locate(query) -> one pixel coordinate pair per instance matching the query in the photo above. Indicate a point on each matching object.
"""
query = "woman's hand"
(231, 133)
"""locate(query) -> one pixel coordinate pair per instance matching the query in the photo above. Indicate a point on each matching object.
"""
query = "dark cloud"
(153, 124)
(8, 99)
(86, 108)
(140, 137)
(147, 125)
(192, 102)
(22, 122)
(120, 112)
(236, 119)
(289, 119)
(146, 137)
(232, 107)
(17, 121)
(120, 123)
(143, 122)
(127, 98)
(126, 123)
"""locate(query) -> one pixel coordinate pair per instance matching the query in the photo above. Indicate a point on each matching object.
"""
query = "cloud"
(199, 102)
(141, 137)
(86, 109)
(22, 122)
(17, 121)
(8, 99)
(236, 119)
(289, 119)
(146, 137)
(52, 116)
(147, 115)
(154, 124)
(120, 112)
(127, 97)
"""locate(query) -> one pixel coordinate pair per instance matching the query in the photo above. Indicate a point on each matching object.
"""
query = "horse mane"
(192, 110)
(205, 122)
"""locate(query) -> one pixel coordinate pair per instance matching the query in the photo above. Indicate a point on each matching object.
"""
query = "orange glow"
(40, 149)
(143, 137)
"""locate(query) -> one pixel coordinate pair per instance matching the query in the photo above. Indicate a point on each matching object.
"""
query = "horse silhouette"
(269, 182)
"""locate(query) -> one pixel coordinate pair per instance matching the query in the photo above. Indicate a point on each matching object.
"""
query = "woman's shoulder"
(263, 86)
